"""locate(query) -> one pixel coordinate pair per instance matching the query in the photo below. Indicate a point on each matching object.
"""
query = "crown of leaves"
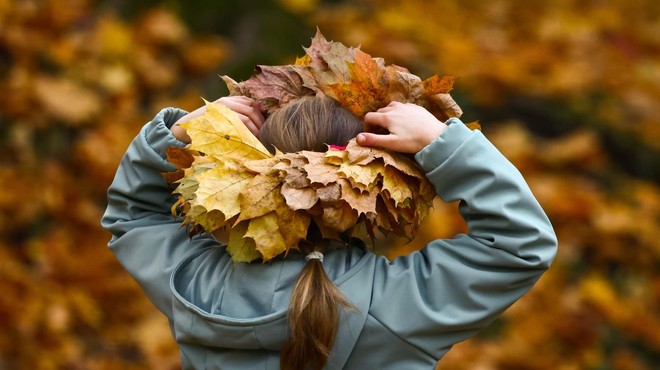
(226, 179)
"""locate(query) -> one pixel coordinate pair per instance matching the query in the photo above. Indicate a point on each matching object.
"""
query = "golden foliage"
(360, 83)
(269, 202)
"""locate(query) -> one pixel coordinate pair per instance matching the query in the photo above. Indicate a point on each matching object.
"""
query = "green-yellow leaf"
(242, 249)
(265, 232)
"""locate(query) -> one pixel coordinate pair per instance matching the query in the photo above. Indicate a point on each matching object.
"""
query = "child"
(333, 306)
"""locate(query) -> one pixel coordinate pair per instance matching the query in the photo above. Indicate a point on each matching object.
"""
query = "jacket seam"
(402, 339)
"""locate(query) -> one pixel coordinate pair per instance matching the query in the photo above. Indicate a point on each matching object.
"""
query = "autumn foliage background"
(569, 90)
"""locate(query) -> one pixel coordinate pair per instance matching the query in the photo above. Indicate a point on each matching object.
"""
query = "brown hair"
(310, 123)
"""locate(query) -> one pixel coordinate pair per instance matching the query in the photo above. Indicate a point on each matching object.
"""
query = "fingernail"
(360, 139)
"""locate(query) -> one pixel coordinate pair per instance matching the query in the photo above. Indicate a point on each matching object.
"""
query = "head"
(309, 123)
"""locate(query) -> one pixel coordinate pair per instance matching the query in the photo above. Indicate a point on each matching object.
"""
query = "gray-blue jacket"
(410, 311)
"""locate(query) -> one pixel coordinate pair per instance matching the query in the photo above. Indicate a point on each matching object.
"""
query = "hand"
(407, 128)
(248, 110)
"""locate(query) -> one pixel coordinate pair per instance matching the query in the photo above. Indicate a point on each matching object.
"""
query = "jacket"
(410, 310)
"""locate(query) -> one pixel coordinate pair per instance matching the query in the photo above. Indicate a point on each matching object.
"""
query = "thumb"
(371, 139)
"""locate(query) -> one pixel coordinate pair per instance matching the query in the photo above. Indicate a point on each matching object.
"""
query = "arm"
(146, 239)
(451, 289)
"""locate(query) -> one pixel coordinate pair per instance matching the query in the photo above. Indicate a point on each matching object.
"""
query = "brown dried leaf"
(299, 198)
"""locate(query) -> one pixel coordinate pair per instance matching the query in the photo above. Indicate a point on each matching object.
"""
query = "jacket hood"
(221, 305)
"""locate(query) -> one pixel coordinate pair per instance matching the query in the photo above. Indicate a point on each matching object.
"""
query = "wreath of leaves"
(227, 180)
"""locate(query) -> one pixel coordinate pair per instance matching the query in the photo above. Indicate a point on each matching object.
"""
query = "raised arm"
(452, 288)
(146, 239)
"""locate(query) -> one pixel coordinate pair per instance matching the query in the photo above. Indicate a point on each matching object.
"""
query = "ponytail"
(313, 318)
(309, 123)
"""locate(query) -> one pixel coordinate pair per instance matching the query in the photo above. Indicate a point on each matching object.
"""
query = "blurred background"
(569, 90)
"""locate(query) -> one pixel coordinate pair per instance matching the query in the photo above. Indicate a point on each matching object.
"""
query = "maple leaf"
(364, 90)
(299, 198)
(181, 158)
(265, 232)
(396, 185)
(334, 155)
(362, 202)
(274, 86)
(318, 170)
(362, 155)
(318, 47)
(260, 196)
(242, 249)
(403, 86)
(269, 201)
(219, 189)
(219, 132)
(438, 85)
(263, 166)
(293, 226)
(359, 82)
(339, 217)
(329, 194)
(362, 176)
(447, 105)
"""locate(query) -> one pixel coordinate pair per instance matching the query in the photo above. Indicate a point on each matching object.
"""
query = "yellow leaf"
(265, 232)
(242, 249)
(303, 61)
(361, 202)
(364, 176)
(438, 85)
(260, 196)
(219, 189)
(220, 133)
(396, 185)
(208, 220)
(335, 157)
(293, 226)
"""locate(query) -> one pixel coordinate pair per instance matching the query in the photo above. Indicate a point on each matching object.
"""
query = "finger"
(249, 124)
(237, 99)
(250, 110)
(375, 129)
(370, 139)
(375, 119)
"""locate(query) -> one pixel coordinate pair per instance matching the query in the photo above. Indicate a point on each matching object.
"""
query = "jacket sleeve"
(146, 239)
(451, 289)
